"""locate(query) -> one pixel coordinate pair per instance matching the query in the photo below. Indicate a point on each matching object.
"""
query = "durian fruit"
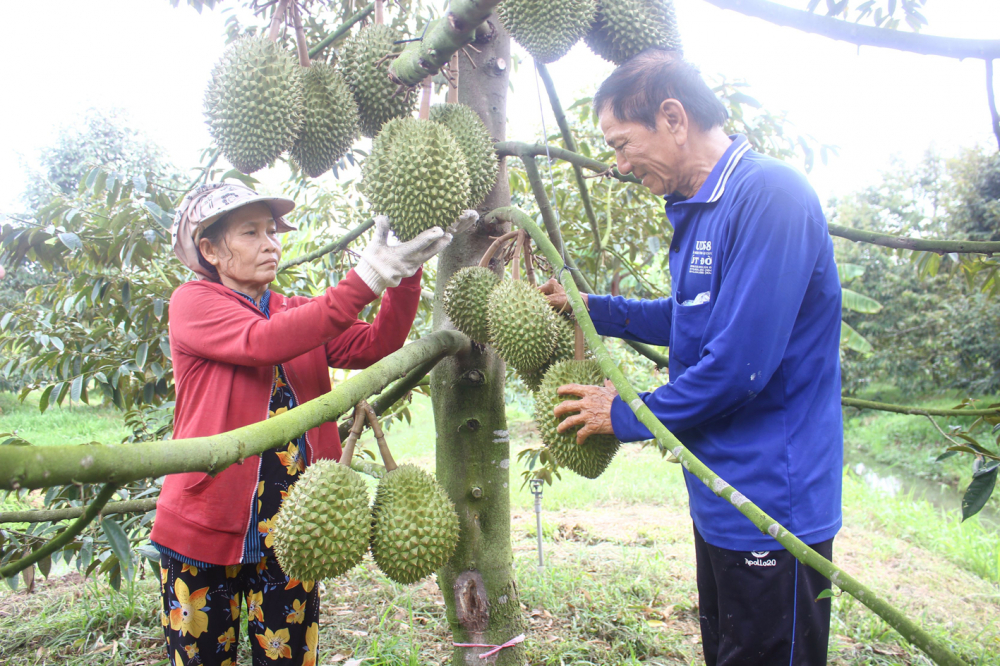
(416, 175)
(254, 102)
(547, 30)
(623, 28)
(331, 120)
(414, 525)
(592, 457)
(466, 297)
(324, 525)
(365, 65)
(565, 350)
(522, 325)
(476, 144)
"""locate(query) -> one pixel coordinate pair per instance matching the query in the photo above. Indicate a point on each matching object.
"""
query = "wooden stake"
(277, 20)
(425, 99)
(379, 13)
(453, 83)
(579, 343)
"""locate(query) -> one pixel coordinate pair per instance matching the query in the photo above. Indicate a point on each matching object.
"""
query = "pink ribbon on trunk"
(493, 648)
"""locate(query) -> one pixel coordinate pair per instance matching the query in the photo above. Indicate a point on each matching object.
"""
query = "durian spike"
(515, 269)
(300, 36)
(579, 346)
(379, 12)
(347, 454)
(453, 79)
(492, 249)
(277, 20)
(529, 267)
(425, 99)
(383, 447)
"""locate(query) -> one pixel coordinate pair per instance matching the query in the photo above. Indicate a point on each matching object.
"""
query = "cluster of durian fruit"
(326, 525)
(616, 30)
(515, 319)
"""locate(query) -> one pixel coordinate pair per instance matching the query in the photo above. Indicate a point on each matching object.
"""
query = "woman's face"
(248, 251)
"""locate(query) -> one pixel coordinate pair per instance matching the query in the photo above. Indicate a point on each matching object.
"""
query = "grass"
(618, 586)
(76, 424)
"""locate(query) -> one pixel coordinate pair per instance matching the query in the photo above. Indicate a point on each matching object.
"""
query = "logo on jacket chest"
(701, 258)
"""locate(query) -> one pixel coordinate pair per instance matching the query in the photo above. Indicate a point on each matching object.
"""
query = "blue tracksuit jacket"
(753, 326)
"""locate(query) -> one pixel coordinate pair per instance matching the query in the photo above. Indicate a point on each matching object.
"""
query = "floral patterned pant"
(202, 606)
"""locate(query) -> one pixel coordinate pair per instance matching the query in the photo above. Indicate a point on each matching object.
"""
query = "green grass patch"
(76, 424)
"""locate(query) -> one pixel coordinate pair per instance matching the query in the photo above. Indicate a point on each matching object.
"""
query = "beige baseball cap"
(205, 205)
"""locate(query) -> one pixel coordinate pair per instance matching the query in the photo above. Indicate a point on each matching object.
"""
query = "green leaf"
(825, 594)
(6, 320)
(71, 240)
(140, 354)
(856, 302)
(979, 491)
(851, 339)
(118, 539)
(849, 271)
(44, 565)
(76, 389)
(43, 400)
(158, 307)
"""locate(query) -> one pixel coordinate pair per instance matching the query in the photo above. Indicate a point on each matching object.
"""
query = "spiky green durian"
(364, 62)
(416, 175)
(623, 28)
(324, 525)
(565, 339)
(254, 102)
(466, 299)
(331, 120)
(477, 147)
(522, 325)
(414, 525)
(547, 30)
(592, 457)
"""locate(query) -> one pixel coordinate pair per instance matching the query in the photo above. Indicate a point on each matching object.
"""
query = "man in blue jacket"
(753, 326)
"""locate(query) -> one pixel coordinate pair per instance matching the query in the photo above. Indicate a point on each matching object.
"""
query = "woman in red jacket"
(242, 353)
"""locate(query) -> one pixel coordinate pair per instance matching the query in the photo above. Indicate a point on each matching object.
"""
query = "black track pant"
(760, 608)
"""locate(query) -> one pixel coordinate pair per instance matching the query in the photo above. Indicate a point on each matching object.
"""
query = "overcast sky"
(153, 61)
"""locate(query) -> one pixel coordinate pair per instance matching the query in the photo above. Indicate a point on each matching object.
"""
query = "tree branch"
(920, 244)
(44, 466)
(54, 515)
(444, 37)
(570, 143)
(863, 35)
(335, 246)
(342, 30)
(668, 443)
(522, 150)
(916, 411)
(396, 392)
(57, 542)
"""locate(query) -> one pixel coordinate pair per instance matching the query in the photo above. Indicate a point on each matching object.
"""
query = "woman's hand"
(383, 265)
(556, 296)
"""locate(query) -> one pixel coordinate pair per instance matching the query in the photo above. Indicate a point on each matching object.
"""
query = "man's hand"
(556, 296)
(592, 410)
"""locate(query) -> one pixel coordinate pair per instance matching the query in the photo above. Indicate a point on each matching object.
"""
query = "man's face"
(653, 156)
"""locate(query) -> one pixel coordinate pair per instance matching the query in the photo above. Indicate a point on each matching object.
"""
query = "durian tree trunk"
(473, 448)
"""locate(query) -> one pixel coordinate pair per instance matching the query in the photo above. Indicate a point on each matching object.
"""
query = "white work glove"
(464, 222)
(383, 265)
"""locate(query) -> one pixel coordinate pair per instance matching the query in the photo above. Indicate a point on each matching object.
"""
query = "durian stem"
(425, 99)
(277, 20)
(529, 265)
(336, 246)
(523, 150)
(570, 143)
(396, 392)
(347, 453)
(67, 535)
(383, 446)
(453, 79)
(379, 12)
(669, 443)
(45, 466)
(515, 269)
(300, 36)
(492, 249)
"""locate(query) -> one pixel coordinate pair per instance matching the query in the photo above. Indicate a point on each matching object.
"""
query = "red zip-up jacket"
(224, 351)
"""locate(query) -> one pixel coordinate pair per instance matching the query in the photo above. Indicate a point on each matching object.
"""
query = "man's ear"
(674, 119)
